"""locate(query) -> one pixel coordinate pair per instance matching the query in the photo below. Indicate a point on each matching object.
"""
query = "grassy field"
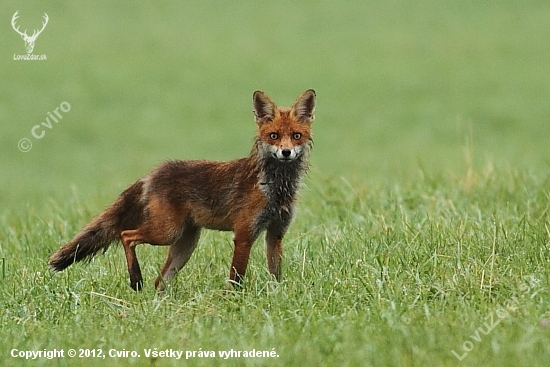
(421, 236)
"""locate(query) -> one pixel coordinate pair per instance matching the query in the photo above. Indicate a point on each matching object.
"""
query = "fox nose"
(285, 153)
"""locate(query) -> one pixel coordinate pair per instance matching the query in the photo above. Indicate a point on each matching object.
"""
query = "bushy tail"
(124, 213)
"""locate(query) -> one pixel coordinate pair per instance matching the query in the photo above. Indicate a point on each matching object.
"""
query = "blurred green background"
(404, 88)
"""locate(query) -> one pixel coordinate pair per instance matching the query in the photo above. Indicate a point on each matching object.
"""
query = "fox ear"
(304, 107)
(264, 108)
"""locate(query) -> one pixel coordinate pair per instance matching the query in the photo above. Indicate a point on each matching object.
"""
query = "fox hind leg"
(129, 239)
(156, 236)
(178, 255)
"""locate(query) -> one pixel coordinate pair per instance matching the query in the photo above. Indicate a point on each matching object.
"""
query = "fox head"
(284, 133)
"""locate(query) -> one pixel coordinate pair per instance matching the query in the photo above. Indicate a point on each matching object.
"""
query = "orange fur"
(175, 201)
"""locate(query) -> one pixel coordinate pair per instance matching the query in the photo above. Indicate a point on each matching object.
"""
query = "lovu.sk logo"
(29, 40)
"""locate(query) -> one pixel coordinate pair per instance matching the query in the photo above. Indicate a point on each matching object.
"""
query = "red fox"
(171, 205)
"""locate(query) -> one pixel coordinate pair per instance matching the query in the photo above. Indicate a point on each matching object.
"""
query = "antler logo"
(29, 40)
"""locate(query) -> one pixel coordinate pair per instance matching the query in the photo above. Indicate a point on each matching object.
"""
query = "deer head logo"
(29, 40)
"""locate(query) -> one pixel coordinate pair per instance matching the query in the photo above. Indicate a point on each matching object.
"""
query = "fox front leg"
(274, 251)
(243, 244)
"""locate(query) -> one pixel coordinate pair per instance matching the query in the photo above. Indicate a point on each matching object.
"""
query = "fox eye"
(296, 136)
(273, 136)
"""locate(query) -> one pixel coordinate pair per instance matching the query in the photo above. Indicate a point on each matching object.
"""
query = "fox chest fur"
(279, 182)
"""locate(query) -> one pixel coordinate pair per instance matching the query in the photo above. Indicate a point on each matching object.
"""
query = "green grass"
(424, 215)
(379, 276)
